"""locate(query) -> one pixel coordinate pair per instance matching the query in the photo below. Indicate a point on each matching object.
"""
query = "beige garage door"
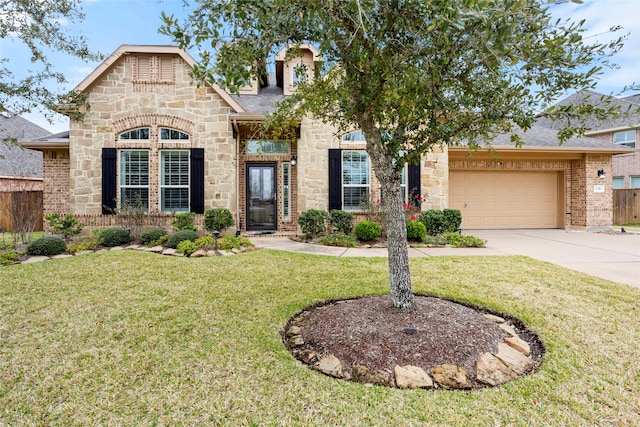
(505, 199)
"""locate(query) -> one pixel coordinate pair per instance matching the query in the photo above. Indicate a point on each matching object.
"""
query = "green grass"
(132, 338)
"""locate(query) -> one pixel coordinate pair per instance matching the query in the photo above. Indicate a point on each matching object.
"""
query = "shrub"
(367, 230)
(8, 254)
(184, 221)
(338, 239)
(186, 247)
(434, 221)
(180, 236)
(341, 220)
(228, 242)
(218, 219)
(435, 240)
(86, 243)
(153, 236)
(463, 241)
(312, 222)
(67, 225)
(48, 245)
(205, 242)
(114, 236)
(416, 231)
(452, 219)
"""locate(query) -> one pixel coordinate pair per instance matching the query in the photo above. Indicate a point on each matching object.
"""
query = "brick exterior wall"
(56, 181)
(624, 165)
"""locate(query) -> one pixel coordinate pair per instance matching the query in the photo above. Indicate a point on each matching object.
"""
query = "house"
(20, 169)
(153, 138)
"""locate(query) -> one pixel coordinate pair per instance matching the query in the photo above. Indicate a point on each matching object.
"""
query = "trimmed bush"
(114, 236)
(152, 236)
(416, 231)
(180, 236)
(341, 220)
(186, 247)
(46, 246)
(184, 221)
(338, 239)
(367, 230)
(434, 221)
(452, 219)
(312, 222)
(218, 219)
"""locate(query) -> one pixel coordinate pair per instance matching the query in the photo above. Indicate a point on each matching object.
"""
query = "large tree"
(41, 26)
(411, 74)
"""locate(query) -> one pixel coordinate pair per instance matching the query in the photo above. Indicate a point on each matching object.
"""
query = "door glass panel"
(261, 197)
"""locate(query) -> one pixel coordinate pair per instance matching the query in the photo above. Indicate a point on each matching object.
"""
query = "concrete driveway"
(612, 257)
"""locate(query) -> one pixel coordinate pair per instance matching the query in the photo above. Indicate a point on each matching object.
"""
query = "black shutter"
(335, 179)
(197, 180)
(413, 182)
(109, 183)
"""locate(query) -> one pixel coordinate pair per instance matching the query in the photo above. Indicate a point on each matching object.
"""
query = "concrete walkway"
(612, 257)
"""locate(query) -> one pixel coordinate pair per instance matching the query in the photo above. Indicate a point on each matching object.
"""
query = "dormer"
(301, 65)
(256, 83)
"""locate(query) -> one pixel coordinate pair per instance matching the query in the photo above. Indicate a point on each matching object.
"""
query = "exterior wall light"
(293, 160)
(602, 174)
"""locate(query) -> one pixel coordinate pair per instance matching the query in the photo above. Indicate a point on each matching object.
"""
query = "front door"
(261, 197)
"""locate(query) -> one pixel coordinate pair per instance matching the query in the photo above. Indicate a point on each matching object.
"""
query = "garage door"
(489, 199)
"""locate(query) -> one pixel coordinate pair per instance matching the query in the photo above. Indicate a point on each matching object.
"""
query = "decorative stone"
(198, 254)
(33, 259)
(451, 376)
(491, 370)
(296, 341)
(330, 365)
(84, 252)
(226, 253)
(155, 249)
(117, 248)
(236, 251)
(61, 256)
(308, 356)
(508, 329)
(493, 318)
(519, 344)
(412, 377)
(514, 359)
(211, 252)
(363, 374)
(169, 251)
(294, 330)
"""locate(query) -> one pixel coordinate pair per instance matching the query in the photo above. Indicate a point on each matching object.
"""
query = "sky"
(111, 23)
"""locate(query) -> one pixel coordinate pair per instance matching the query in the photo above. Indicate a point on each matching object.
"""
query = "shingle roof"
(265, 101)
(540, 136)
(15, 160)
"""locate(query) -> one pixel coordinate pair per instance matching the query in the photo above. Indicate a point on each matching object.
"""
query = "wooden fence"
(626, 205)
(22, 205)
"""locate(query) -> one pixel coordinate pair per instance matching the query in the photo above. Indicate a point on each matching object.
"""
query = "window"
(135, 134)
(357, 136)
(618, 182)
(299, 73)
(134, 178)
(356, 178)
(174, 181)
(635, 182)
(258, 146)
(286, 191)
(626, 138)
(172, 134)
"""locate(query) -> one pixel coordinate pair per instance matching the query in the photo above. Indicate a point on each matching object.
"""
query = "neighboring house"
(20, 168)
(623, 131)
(154, 137)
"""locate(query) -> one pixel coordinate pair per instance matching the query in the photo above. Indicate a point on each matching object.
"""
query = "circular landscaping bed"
(435, 344)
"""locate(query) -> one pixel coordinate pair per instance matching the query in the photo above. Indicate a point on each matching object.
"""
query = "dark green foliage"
(416, 231)
(184, 221)
(341, 220)
(434, 221)
(67, 225)
(153, 235)
(312, 222)
(458, 240)
(218, 219)
(339, 239)
(367, 230)
(180, 236)
(47, 246)
(114, 236)
(452, 219)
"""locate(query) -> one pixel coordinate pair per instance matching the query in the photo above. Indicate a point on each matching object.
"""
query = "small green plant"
(463, 241)
(184, 221)
(87, 243)
(367, 230)
(47, 246)
(153, 236)
(187, 247)
(8, 254)
(434, 221)
(180, 236)
(228, 242)
(114, 236)
(452, 219)
(67, 225)
(435, 240)
(206, 242)
(312, 222)
(338, 239)
(416, 231)
(218, 219)
(341, 220)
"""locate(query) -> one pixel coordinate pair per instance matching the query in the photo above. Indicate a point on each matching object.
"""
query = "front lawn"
(134, 338)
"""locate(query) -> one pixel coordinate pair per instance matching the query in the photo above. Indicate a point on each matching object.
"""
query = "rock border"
(511, 360)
